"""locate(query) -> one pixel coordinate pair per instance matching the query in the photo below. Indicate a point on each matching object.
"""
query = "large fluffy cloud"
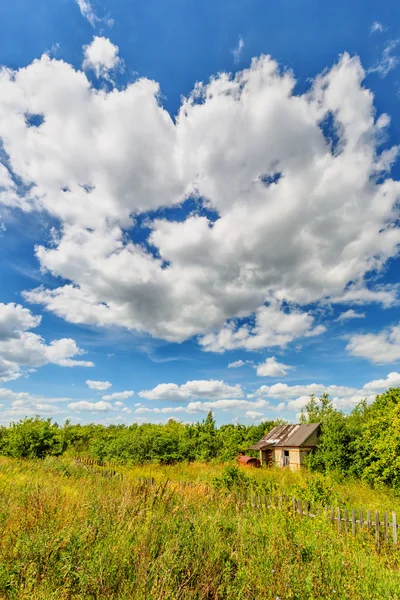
(297, 202)
(19, 347)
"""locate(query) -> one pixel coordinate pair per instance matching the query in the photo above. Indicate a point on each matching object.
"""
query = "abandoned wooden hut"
(287, 445)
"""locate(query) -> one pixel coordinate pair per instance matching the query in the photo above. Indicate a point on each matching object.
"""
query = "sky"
(199, 208)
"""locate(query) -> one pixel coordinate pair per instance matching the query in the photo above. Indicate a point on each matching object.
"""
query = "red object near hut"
(249, 461)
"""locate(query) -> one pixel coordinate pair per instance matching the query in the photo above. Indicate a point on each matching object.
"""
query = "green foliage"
(232, 478)
(317, 490)
(31, 438)
(365, 443)
(89, 537)
(135, 444)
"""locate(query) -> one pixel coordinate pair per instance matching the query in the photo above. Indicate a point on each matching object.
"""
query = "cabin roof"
(286, 435)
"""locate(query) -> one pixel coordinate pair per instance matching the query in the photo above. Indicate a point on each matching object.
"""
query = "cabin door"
(266, 457)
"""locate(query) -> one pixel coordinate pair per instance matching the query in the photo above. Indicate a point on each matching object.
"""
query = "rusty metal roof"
(286, 435)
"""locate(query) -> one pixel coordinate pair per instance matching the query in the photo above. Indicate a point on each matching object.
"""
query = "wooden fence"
(348, 522)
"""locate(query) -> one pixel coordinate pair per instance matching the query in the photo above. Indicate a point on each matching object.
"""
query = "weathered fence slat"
(386, 526)
(339, 521)
(394, 529)
(377, 530)
(353, 522)
(346, 520)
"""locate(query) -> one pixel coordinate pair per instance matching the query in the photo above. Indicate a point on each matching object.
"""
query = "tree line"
(364, 443)
(134, 444)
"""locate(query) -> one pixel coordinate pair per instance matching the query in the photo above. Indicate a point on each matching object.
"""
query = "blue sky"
(182, 246)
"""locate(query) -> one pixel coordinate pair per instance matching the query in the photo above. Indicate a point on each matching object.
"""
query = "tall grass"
(67, 533)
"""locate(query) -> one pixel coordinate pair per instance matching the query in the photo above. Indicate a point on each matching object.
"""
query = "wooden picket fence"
(97, 467)
(347, 522)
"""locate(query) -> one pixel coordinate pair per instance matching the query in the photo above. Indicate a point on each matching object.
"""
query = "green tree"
(32, 438)
(332, 452)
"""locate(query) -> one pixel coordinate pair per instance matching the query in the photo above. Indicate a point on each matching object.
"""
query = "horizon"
(197, 217)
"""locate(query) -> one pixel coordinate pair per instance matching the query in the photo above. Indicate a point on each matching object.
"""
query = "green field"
(69, 532)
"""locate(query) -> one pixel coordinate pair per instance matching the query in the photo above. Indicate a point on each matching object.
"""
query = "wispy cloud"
(389, 60)
(89, 13)
(236, 52)
(239, 363)
(350, 314)
(377, 27)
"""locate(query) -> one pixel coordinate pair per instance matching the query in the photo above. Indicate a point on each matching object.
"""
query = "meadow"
(67, 532)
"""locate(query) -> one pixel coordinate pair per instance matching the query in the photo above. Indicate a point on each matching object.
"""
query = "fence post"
(361, 520)
(353, 522)
(346, 520)
(386, 525)
(369, 520)
(394, 529)
(339, 521)
(377, 530)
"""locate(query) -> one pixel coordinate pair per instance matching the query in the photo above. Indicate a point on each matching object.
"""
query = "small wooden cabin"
(288, 445)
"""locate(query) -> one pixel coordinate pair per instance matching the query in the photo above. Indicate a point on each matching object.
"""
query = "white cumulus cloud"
(119, 396)
(380, 348)
(272, 368)
(101, 55)
(98, 385)
(19, 347)
(209, 388)
(273, 183)
(16, 405)
(84, 405)
(253, 414)
(380, 385)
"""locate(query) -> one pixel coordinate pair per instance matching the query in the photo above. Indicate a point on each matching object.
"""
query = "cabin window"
(285, 458)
